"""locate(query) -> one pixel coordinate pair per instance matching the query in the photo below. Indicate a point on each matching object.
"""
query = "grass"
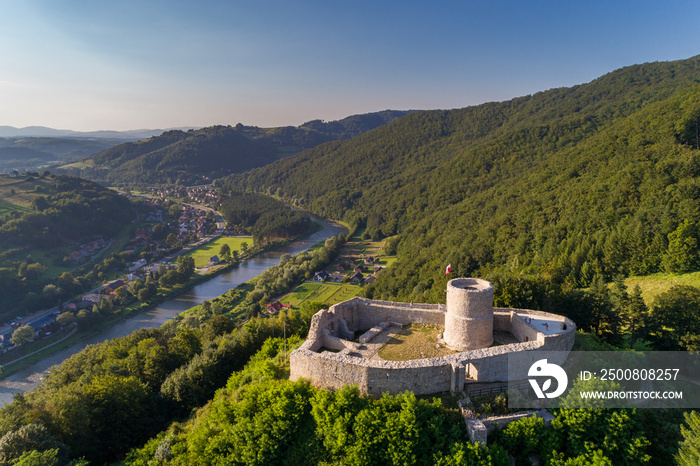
(82, 164)
(414, 341)
(6, 207)
(655, 284)
(327, 293)
(32, 347)
(24, 192)
(203, 253)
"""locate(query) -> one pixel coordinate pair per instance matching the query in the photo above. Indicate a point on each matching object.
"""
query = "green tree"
(675, 314)
(225, 252)
(689, 451)
(66, 281)
(23, 335)
(523, 438)
(682, 255)
(66, 319)
(25, 439)
(171, 240)
(40, 204)
(185, 268)
(217, 325)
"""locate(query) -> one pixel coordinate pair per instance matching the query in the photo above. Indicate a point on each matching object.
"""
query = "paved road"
(38, 319)
(30, 377)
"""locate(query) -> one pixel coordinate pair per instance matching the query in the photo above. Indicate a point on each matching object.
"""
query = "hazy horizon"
(126, 66)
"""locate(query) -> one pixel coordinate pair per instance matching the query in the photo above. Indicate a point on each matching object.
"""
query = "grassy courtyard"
(414, 341)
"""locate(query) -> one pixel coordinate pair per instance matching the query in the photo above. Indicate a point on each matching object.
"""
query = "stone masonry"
(330, 359)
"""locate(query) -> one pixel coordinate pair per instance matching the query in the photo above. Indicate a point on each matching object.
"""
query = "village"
(150, 252)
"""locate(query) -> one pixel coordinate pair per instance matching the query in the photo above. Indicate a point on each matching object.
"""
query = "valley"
(579, 202)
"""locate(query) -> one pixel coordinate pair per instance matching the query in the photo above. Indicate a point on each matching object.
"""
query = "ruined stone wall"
(371, 313)
(501, 319)
(421, 376)
(522, 330)
(329, 370)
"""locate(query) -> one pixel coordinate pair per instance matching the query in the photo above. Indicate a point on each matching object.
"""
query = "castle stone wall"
(421, 376)
(522, 330)
(371, 313)
(501, 320)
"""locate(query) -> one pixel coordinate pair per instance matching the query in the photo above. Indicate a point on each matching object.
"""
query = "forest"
(571, 184)
(198, 156)
(554, 197)
(267, 219)
(64, 210)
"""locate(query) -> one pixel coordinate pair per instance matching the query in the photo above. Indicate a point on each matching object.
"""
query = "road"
(39, 319)
(29, 378)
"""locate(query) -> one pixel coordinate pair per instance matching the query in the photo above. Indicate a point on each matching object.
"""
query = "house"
(70, 307)
(369, 260)
(275, 307)
(356, 278)
(359, 269)
(74, 257)
(336, 277)
(137, 265)
(321, 276)
(115, 284)
(213, 260)
(91, 298)
(370, 279)
(142, 233)
(134, 276)
(14, 174)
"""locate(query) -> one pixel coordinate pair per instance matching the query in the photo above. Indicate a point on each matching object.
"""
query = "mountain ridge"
(196, 156)
(502, 178)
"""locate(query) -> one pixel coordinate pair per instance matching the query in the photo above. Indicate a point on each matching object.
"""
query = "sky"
(123, 65)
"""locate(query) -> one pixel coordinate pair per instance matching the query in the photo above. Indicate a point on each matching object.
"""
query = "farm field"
(6, 207)
(24, 192)
(327, 293)
(203, 253)
(356, 248)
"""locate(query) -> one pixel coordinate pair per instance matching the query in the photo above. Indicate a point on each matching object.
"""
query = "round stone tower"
(469, 316)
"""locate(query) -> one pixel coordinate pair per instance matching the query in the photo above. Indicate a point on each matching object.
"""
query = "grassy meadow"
(203, 253)
(327, 293)
(655, 284)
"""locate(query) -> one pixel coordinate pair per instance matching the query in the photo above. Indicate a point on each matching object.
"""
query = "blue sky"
(89, 65)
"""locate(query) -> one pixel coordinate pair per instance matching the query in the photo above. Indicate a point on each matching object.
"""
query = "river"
(29, 378)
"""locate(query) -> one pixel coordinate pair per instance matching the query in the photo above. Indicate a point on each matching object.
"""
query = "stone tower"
(469, 316)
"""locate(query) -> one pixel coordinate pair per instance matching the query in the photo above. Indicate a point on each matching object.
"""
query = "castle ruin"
(333, 357)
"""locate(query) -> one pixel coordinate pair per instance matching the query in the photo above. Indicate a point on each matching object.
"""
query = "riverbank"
(133, 309)
(28, 375)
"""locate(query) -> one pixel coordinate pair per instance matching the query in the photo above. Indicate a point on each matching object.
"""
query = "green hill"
(568, 183)
(197, 156)
(33, 153)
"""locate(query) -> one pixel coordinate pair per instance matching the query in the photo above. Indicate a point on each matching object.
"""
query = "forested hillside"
(28, 154)
(42, 213)
(595, 180)
(193, 157)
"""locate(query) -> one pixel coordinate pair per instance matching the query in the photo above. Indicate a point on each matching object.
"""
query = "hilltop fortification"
(332, 356)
